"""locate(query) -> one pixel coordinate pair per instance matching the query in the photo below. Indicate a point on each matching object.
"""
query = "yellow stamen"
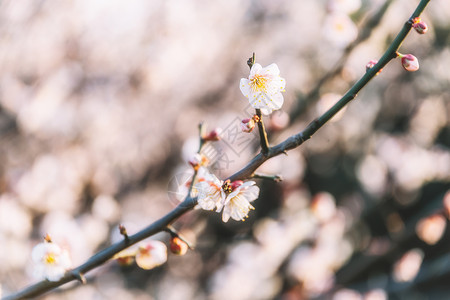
(258, 82)
(50, 259)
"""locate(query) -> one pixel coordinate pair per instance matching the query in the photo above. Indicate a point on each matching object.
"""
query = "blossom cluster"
(231, 198)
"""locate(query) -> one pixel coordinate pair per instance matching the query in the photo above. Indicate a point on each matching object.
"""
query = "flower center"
(258, 82)
(50, 259)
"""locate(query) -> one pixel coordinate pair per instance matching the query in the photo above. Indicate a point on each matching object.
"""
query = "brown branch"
(290, 143)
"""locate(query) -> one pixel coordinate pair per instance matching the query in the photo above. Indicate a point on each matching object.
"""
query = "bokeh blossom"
(263, 88)
(151, 254)
(339, 29)
(50, 261)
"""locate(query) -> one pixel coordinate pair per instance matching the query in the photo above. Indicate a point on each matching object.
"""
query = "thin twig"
(264, 142)
(276, 178)
(290, 143)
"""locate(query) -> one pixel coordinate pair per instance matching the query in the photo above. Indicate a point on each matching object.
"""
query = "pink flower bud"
(409, 62)
(213, 135)
(247, 125)
(236, 184)
(420, 26)
(178, 246)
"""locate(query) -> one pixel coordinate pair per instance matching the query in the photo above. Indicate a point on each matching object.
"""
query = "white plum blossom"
(51, 261)
(237, 203)
(210, 193)
(263, 88)
(151, 254)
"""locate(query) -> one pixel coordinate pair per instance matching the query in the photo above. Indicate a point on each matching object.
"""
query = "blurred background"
(99, 107)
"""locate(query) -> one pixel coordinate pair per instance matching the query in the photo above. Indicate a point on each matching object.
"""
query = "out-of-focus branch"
(247, 172)
(367, 28)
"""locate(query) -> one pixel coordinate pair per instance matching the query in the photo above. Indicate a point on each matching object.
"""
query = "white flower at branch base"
(263, 88)
(237, 203)
(151, 254)
(51, 262)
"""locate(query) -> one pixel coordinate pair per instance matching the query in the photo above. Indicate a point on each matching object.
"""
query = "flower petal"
(244, 85)
(272, 69)
(256, 69)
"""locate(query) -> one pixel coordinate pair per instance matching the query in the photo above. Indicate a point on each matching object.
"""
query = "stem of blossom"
(262, 133)
(79, 276)
(123, 231)
(276, 178)
(189, 203)
(174, 233)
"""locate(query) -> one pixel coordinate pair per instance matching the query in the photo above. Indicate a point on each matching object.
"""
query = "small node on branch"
(79, 276)
(247, 125)
(372, 64)
(123, 231)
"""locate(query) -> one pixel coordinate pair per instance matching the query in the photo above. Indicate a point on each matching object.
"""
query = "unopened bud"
(213, 135)
(278, 120)
(197, 161)
(420, 26)
(247, 125)
(236, 184)
(409, 62)
(178, 246)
